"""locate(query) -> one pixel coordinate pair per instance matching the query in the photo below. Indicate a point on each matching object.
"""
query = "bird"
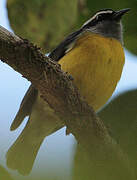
(94, 56)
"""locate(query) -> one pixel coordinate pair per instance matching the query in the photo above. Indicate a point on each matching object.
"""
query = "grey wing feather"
(62, 48)
(25, 107)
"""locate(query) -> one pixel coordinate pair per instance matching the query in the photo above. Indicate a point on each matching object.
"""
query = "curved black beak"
(118, 14)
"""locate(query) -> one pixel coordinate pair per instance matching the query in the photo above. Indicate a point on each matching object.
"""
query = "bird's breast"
(96, 64)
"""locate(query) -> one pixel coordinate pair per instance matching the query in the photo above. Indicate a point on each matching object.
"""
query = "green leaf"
(45, 22)
(4, 174)
(120, 116)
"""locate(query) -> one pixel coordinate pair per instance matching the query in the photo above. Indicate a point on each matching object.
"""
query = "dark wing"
(63, 47)
(25, 107)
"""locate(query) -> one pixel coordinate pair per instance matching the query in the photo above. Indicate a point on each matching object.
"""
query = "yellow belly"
(96, 65)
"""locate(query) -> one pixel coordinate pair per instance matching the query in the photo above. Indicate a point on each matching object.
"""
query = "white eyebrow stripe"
(101, 12)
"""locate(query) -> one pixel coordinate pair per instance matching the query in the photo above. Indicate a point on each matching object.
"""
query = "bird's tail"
(22, 153)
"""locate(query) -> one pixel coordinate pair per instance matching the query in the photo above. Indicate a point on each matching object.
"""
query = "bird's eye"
(99, 16)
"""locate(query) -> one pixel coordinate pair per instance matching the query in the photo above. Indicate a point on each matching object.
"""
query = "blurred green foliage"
(4, 174)
(120, 117)
(47, 22)
(44, 22)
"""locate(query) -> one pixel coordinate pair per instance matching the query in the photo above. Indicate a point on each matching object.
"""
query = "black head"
(106, 22)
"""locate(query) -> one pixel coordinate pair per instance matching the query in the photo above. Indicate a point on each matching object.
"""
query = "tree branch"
(56, 87)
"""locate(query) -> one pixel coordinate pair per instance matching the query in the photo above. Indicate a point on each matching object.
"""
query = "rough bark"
(56, 86)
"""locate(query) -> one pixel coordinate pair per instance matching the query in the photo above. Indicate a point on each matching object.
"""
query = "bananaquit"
(94, 56)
